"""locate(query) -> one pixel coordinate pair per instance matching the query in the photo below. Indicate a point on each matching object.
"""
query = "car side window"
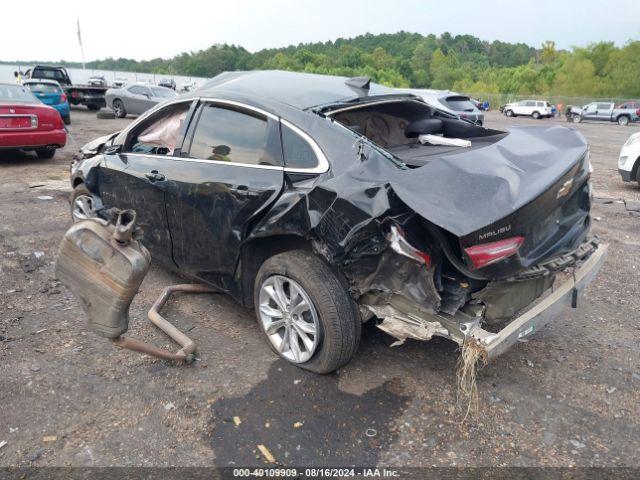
(229, 135)
(603, 106)
(297, 151)
(159, 134)
(138, 90)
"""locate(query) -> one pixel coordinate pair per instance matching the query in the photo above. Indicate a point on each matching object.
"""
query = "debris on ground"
(472, 358)
(266, 454)
(49, 438)
(3, 443)
(237, 421)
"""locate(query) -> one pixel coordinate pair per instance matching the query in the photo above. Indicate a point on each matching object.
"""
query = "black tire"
(67, 119)
(536, 115)
(118, 108)
(623, 120)
(576, 118)
(46, 153)
(338, 315)
(509, 113)
(93, 107)
(105, 115)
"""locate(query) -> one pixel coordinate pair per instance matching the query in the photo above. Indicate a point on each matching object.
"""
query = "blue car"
(50, 93)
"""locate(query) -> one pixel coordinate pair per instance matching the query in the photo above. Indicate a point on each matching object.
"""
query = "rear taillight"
(488, 253)
(63, 98)
(638, 112)
(400, 244)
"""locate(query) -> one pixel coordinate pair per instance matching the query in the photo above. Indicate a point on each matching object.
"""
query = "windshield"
(162, 93)
(43, 87)
(16, 93)
(458, 103)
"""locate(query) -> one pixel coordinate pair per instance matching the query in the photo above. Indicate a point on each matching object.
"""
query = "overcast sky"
(45, 30)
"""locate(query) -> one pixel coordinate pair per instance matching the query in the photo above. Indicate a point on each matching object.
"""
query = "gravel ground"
(568, 397)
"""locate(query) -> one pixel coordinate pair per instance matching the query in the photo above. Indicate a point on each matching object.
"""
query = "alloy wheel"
(289, 318)
(83, 208)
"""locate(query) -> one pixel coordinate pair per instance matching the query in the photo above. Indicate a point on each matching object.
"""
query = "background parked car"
(50, 92)
(531, 108)
(167, 83)
(90, 95)
(27, 124)
(452, 102)
(604, 112)
(136, 98)
(629, 159)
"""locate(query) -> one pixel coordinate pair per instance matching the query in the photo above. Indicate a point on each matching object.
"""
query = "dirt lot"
(568, 397)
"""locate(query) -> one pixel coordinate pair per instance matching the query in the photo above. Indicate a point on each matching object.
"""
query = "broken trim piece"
(461, 327)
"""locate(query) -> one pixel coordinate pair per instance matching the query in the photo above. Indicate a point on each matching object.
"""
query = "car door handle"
(154, 176)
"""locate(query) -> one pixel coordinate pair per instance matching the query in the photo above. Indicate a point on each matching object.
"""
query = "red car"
(28, 124)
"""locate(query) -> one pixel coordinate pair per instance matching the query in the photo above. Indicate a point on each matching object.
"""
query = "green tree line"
(461, 63)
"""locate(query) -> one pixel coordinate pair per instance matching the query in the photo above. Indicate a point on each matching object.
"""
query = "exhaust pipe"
(103, 263)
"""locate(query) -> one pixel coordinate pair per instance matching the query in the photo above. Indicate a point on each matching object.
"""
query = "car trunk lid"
(532, 183)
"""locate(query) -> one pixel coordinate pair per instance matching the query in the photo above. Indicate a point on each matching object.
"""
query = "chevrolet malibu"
(324, 202)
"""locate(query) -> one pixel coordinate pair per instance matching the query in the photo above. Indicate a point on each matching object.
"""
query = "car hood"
(467, 191)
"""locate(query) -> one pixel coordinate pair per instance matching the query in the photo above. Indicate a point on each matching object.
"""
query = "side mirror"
(113, 150)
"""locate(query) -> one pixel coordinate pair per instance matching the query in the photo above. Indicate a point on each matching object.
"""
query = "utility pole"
(80, 42)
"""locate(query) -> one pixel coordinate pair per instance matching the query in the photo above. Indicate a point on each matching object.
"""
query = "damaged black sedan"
(324, 202)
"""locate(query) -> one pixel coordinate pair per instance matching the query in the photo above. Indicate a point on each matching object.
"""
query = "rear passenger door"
(230, 171)
(604, 111)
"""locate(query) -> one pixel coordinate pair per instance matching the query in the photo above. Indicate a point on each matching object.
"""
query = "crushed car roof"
(299, 90)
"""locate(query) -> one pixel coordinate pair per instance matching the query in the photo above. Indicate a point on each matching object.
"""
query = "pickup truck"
(603, 112)
(89, 95)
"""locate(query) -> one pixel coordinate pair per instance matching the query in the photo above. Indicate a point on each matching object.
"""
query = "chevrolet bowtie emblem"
(565, 189)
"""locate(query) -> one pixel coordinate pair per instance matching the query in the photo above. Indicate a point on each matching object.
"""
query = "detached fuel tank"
(103, 265)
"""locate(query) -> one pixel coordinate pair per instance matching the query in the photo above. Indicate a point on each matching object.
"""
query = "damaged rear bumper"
(404, 319)
(563, 296)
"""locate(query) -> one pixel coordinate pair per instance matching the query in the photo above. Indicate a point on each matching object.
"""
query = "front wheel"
(509, 113)
(305, 312)
(83, 205)
(576, 119)
(118, 108)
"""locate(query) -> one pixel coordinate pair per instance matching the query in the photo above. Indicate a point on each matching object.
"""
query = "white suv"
(534, 108)
(629, 159)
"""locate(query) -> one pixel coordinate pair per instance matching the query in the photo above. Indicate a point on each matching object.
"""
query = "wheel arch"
(257, 250)
(634, 170)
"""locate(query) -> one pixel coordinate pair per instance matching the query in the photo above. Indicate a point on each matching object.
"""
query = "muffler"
(103, 262)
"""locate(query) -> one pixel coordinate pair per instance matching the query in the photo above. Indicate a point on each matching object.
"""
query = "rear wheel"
(67, 119)
(305, 312)
(509, 113)
(536, 115)
(623, 120)
(83, 205)
(46, 153)
(118, 108)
